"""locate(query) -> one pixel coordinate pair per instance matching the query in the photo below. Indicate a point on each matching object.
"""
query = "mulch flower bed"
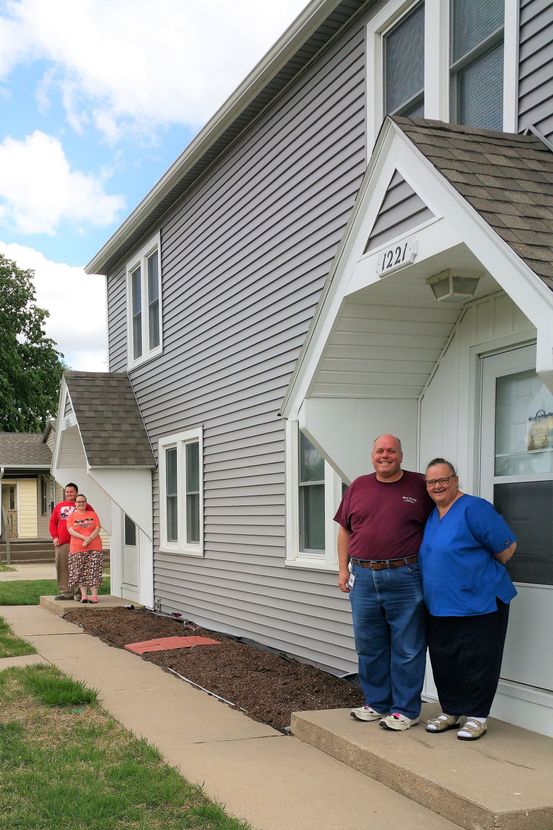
(267, 686)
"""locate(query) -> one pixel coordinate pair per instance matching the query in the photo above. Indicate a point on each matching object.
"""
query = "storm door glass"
(523, 475)
(130, 532)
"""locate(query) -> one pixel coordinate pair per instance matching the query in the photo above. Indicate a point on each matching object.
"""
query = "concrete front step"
(60, 606)
(504, 781)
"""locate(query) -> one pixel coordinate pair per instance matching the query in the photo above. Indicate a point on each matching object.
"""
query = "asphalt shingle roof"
(23, 448)
(111, 428)
(507, 178)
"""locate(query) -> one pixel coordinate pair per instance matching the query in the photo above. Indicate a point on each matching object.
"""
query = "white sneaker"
(366, 713)
(398, 722)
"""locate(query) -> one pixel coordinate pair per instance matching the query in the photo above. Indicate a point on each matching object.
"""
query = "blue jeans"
(390, 637)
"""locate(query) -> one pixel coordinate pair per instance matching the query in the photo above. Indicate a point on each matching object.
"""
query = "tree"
(30, 366)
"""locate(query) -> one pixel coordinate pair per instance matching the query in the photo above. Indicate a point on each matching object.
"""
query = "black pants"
(466, 654)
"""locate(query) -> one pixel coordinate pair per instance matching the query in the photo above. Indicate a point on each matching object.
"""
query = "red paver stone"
(167, 643)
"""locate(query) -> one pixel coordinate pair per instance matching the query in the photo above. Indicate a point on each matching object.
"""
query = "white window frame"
(326, 560)
(140, 259)
(436, 62)
(179, 442)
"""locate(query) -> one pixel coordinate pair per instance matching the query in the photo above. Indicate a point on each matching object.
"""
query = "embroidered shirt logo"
(409, 499)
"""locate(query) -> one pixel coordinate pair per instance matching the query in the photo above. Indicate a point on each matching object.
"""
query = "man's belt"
(383, 564)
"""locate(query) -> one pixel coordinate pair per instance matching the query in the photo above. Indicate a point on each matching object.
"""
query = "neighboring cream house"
(359, 241)
(28, 489)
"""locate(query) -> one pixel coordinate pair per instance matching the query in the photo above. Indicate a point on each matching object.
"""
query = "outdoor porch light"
(453, 286)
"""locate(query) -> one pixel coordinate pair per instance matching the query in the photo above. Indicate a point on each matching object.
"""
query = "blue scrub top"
(460, 576)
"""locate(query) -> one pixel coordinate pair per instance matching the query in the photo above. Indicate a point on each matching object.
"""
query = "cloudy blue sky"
(97, 99)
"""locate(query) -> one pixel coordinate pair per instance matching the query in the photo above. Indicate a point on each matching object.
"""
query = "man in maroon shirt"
(381, 520)
(60, 537)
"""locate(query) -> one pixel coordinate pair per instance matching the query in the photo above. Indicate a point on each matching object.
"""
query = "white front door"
(517, 475)
(130, 579)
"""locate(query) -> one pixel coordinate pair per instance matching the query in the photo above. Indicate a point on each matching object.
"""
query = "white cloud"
(39, 190)
(121, 61)
(77, 305)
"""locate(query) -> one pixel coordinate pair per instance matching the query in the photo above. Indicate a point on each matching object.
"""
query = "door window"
(523, 471)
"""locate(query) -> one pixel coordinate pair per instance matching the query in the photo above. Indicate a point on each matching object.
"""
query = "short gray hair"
(442, 461)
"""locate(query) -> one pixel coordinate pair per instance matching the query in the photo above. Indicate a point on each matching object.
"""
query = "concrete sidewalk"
(30, 570)
(273, 781)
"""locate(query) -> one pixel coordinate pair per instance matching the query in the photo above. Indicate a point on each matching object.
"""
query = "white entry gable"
(378, 334)
(378, 331)
(101, 444)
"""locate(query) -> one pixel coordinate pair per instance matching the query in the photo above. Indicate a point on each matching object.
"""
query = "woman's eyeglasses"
(443, 482)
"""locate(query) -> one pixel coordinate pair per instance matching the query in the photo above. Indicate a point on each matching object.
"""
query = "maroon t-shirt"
(386, 520)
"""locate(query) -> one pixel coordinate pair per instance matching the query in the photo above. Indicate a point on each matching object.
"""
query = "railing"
(5, 534)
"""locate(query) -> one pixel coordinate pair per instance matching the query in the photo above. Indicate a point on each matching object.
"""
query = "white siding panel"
(447, 406)
(117, 322)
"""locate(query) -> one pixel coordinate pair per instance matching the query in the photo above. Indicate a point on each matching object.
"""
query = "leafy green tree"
(30, 366)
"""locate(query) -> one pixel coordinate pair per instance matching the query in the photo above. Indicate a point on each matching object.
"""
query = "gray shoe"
(63, 597)
(366, 713)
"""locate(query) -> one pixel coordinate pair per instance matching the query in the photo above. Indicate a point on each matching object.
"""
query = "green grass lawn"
(4, 568)
(66, 763)
(29, 591)
(10, 645)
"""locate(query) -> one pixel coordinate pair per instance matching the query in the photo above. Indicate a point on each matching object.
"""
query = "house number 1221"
(396, 257)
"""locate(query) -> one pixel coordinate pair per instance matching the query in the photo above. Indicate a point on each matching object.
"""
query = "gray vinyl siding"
(536, 66)
(244, 259)
(117, 321)
(401, 210)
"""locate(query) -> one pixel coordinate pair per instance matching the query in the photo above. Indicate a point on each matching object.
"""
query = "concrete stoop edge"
(444, 801)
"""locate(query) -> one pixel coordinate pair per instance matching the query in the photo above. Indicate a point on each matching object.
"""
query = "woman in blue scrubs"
(467, 592)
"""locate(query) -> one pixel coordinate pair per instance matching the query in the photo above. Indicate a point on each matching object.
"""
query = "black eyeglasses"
(432, 482)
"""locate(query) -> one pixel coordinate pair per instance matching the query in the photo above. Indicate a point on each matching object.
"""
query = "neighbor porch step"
(28, 550)
(501, 782)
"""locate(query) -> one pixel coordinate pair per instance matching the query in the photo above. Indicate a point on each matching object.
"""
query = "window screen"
(193, 492)
(404, 65)
(477, 63)
(312, 497)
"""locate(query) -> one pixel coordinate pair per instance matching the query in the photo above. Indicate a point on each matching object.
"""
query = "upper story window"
(476, 55)
(181, 492)
(442, 59)
(404, 65)
(144, 304)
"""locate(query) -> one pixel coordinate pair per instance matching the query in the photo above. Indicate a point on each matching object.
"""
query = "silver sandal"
(442, 723)
(473, 729)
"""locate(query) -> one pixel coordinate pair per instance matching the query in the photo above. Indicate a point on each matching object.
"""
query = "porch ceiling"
(389, 336)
